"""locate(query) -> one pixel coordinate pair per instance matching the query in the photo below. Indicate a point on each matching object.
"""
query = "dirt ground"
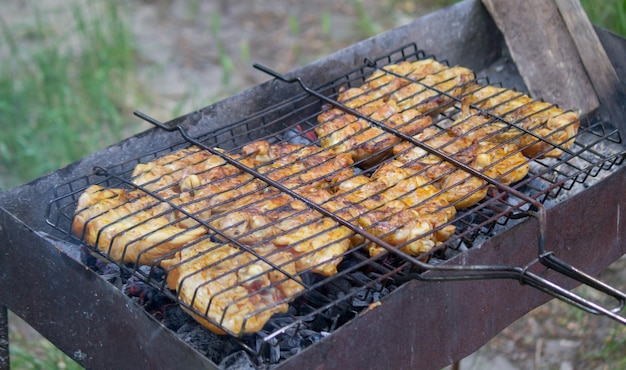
(199, 52)
(203, 51)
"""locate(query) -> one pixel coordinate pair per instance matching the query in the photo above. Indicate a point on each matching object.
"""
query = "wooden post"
(600, 70)
(544, 52)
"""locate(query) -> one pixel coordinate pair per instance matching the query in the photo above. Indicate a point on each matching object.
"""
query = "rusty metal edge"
(80, 312)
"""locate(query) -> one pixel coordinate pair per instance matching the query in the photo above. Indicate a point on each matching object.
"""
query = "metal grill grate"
(361, 278)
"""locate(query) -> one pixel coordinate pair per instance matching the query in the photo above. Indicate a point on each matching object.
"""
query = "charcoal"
(360, 277)
(145, 269)
(205, 341)
(174, 317)
(89, 259)
(376, 297)
(111, 273)
(294, 136)
(359, 303)
(293, 341)
(338, 287)
(362, 298)
(273, 354)
(145, 295)
(237, 361)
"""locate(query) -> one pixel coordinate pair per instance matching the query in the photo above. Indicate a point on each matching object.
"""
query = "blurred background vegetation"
(69, 82)
(68, 77)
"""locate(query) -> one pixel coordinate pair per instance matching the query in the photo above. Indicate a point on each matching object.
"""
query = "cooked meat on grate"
(503, 162)
(409, 202)
(315, 242)
(459, 188)
(552, 128)
(129, 227)
(365, 142)
(400, 207)
(430, 165)
(401, 96)
(435, 91)
(295, 165)
(164, 173)
(236, 289)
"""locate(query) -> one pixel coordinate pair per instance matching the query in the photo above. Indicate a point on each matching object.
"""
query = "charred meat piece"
(130, 227)
(400, 207)
(237, 290)
(551, 128)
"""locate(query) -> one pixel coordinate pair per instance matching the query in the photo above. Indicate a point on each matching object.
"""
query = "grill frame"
(300, 111)
(28, 221)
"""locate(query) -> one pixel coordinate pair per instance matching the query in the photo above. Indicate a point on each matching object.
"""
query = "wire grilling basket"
(303, 210)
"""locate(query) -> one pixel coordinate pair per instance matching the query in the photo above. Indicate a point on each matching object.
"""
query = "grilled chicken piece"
(474, 127)
(315, 242)
(392, 100)
(363, 140)
(295, 165)
(501, 161)
(197, 178)
(237, 290)
(386, 80)
(430, 165)
(401, 209)
(550, 125)
(459, 188)
(380, 84)
(129, 227)
(162, 174)
(420, 195)
(435, 91)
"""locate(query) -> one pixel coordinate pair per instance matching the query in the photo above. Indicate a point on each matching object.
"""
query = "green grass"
(47, 356)
(63, 90)
(609, 14)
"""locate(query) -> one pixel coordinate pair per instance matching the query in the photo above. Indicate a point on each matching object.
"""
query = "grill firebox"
(501, 218)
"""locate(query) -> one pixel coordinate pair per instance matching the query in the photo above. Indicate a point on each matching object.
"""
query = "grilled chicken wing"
(315, 242)
(549, 125)
(400, 207)
(129, 227)
(238, 290)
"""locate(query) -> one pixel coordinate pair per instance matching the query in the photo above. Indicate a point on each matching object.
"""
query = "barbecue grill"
(536, 232)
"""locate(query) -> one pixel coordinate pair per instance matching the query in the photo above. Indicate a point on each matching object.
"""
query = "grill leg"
(4, 338)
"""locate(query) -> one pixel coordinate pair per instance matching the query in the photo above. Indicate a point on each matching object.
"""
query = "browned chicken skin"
(129, 227)
(400, 207)
(232, 287)
(549, 124)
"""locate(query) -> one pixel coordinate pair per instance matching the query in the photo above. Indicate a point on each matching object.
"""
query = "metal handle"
(572, 298)
(551, 261)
